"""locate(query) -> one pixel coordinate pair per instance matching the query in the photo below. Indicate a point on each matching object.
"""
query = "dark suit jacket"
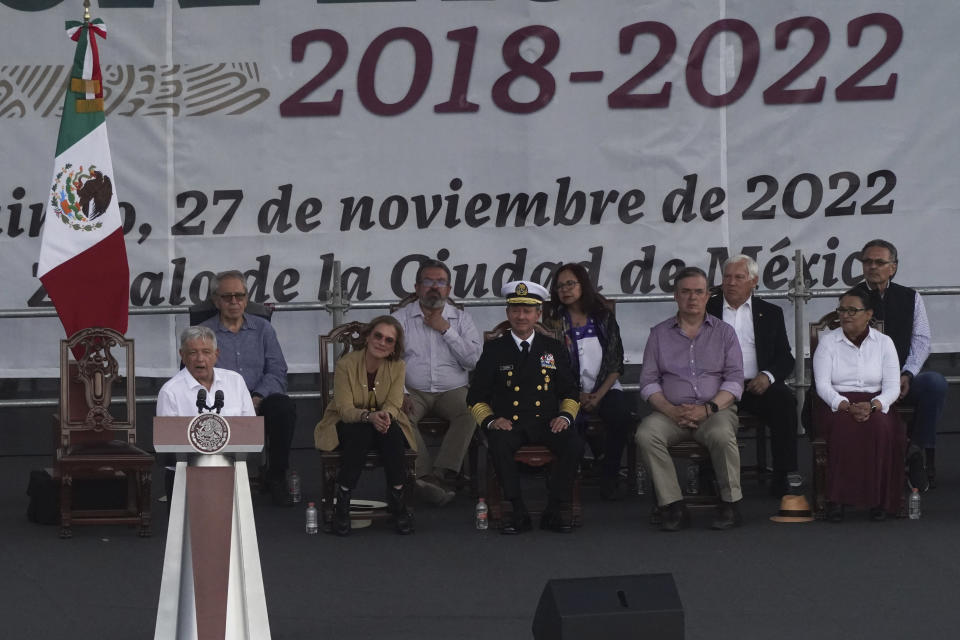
(770, 334)
(538, 389)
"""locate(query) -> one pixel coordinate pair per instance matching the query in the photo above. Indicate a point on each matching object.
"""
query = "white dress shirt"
(437, 362)
(840, 366)
(741, 319)
(178, 395)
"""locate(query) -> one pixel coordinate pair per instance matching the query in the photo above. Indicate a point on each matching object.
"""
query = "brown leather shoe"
(728, 516)
(674, 516)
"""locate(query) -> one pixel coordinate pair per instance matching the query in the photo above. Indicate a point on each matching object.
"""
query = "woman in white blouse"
(857, 376)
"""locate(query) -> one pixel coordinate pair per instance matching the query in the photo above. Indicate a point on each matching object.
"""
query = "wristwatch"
(873, 407)
(713, 406)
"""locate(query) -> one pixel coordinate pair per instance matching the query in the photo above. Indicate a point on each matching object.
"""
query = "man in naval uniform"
(524, 392)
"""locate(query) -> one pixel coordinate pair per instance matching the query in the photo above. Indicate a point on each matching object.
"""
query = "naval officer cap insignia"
(524, 292)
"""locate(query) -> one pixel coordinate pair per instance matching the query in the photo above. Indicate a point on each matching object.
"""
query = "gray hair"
(226, 275)
(198, 332)
(752, 268)
(883, 244)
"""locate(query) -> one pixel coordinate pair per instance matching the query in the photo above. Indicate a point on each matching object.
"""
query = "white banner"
(503, 137)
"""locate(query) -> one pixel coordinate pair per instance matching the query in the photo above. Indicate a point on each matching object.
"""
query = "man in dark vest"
(905, 321)
(767, 361)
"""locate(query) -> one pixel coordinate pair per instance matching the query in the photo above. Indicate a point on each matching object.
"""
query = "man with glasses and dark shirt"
(904, 319)
(249, 346)
(692, 377)
(442, 345)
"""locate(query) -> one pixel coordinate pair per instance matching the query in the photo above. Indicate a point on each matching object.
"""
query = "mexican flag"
(83, 259)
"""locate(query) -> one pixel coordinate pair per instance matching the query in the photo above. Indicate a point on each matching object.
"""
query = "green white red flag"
(83, 259)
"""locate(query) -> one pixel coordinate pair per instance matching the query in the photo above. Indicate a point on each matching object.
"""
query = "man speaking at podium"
(181, 395)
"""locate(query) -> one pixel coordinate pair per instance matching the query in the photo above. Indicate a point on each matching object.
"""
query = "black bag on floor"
(44, 506)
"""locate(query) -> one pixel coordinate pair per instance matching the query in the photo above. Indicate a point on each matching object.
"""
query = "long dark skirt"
(864, 459)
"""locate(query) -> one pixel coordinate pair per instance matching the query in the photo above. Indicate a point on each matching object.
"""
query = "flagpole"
(86, 11)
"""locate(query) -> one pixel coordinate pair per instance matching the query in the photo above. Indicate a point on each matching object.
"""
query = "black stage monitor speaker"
(644, 607)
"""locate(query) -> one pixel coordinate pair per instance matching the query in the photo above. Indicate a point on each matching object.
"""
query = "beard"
(432, 301)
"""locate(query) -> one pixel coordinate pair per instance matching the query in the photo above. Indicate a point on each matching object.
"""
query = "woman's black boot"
(341, 512)
(403, 519)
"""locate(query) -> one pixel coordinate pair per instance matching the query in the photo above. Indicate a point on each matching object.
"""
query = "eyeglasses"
(430, 282)
(569, 284)
(382, 338)
(848, 311)
(232, 296)
(870, 262)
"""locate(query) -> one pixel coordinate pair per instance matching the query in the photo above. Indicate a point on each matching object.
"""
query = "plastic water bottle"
(641, 480)
(693, 479)
(293, 487)
(482, 521)
(914, 504)
(311, 518)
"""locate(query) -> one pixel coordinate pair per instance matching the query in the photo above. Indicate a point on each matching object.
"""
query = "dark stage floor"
(861, 579)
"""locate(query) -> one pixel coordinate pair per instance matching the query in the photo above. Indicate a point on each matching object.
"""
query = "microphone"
(218, 401)
(201, 400)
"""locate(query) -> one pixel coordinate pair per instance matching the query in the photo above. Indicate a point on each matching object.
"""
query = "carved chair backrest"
(829, 322)
(339, 341)
(97, 387)
(206, 310)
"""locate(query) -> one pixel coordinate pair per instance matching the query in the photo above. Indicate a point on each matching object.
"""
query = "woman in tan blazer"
(366, 413)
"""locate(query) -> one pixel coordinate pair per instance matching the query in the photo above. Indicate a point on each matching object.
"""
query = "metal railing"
(337, 306)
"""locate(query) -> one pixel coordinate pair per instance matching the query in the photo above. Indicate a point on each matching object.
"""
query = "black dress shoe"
(559, 520)
(514, 523)
(279, 494)
(835, 512)
(728, 517)
(656, 517)
(674, 516)
(608, 488)
(877, 514)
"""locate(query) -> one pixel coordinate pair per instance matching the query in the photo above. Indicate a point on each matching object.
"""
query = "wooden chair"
(533, 455)
(820, 452)
(435, 427)
(206, 310)
(750, 422)
(339, 341)
(94, 439)
(695, 453)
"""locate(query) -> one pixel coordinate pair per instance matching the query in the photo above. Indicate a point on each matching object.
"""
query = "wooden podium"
(212, 586)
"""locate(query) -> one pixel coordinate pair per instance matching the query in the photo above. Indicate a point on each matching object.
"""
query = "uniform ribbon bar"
(82, 85)
(90, 106)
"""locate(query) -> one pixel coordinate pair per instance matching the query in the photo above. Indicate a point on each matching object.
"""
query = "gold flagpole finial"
(86, 10)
